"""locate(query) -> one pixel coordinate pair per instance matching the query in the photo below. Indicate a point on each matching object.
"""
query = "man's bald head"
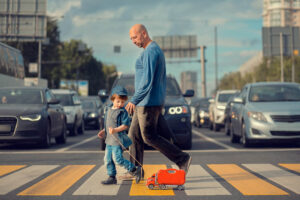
(139, 35)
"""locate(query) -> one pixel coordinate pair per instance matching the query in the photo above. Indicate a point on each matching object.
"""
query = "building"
(281, 27)
(189, 81)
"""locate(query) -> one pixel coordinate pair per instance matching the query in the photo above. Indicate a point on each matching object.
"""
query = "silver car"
(266, 111)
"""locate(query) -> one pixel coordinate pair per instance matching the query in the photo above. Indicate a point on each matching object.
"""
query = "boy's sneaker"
(128, 176)
(111, 180)
(137, 173)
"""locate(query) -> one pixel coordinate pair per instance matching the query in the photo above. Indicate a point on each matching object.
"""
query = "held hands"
(101, 133)
(130, 108)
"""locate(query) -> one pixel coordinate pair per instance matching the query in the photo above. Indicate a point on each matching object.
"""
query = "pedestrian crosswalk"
(202, 180)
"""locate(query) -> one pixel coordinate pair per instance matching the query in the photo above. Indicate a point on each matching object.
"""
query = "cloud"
(60, 8)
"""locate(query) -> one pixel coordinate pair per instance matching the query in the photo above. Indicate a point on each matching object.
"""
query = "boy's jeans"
(113, 156)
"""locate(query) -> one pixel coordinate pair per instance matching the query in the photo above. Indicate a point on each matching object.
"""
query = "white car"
(266, 111)
(71, 103)
(217, 108)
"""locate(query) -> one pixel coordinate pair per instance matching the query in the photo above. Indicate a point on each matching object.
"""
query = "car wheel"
(46, 141)
(81, 128)
(180, 187)
(244, 140)
(233, 138)
(227, 127)
(162, 187)
(62, 139)
(151, 186)
(74, 130)
(216, 127)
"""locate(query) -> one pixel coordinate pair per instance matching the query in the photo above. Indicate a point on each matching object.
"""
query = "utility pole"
(203, 77)
(281, 58)
(292, 54)
(40, 60)
(216, 58)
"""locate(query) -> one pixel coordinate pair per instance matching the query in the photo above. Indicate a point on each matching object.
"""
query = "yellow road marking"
(5, 169)
(141, 189)
(294, 167)
(59, 182)
(244, 181)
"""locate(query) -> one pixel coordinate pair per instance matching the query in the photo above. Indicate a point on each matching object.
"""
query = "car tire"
(216, 127)
(244, 140)
(81, 128)
(233, 138)
(62, 139)
(74, 130)
(46, 141)
(227, 127)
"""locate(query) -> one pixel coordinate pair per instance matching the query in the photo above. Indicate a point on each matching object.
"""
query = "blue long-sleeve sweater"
(150, 77)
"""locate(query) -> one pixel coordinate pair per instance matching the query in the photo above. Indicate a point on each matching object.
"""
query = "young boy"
(116, 122)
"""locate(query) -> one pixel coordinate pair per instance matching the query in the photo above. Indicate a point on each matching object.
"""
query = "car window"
(88, 104)
(172, 88)
(265, 93)
(224, 97)
(21, 96)
(65, 99)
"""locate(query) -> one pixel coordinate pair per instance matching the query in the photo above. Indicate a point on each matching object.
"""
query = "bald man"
(148, 100)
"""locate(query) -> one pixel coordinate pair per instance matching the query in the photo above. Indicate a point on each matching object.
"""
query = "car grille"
(7, 122)
(285, 133)
(286, 118)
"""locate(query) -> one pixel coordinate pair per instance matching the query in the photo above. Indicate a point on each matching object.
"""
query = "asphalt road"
(219, 170)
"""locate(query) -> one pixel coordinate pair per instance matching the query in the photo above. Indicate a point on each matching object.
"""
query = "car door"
(240, 111)
(55, 113)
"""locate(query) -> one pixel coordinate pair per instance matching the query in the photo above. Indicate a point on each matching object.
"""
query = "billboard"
(181, 46)
(81, 86)
(23, 20)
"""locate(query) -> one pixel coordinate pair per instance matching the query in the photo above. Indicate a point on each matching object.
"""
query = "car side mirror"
(238, 100)
(54, 101)
(189, 93)
(102, 94)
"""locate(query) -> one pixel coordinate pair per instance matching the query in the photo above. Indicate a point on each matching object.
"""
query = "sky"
(103, 24)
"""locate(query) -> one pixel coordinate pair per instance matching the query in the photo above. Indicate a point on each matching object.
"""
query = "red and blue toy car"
(167, 178)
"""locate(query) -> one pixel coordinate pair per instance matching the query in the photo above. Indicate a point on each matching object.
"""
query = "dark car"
(176, 111)
(91, 106)
(228, 113)
(31, 115)
(201, 114)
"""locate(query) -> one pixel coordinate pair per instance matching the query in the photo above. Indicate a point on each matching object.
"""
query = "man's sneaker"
(126, 177)
(186, 165)
(137, 173)
(111, 180)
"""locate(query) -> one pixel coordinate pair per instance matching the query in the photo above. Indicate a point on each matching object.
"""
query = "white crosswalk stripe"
(200, 182)
(277, 175)
(15, 180)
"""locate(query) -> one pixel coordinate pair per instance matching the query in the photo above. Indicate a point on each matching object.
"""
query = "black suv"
(176, 110)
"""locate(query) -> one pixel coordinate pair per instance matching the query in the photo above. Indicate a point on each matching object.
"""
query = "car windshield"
(224, 97)
(88, 104)
(172, 88)
(265, 93)
(204, 103)
(21, 96)
(65, 99)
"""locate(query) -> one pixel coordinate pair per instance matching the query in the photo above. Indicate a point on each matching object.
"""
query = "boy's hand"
(111, 130)
(101, 133)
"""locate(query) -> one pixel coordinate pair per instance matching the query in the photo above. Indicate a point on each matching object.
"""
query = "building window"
(275, 18)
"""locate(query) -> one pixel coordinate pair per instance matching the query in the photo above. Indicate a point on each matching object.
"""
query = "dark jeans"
(143, 129)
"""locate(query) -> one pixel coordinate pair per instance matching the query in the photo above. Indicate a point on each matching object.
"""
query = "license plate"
(5, 128)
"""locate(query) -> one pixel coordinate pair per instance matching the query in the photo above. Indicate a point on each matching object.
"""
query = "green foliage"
(269, 70)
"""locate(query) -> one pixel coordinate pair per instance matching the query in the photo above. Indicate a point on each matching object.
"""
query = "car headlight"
(93, 115)
(257, 116)
(178, 110)
(203, 114)
(33, 118)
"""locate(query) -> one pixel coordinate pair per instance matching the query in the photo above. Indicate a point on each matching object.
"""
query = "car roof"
(63, 91)
(227, 91)
(25, 88)
(271, 83)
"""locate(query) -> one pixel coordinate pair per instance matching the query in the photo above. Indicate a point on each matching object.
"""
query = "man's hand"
(101, 133)
(130, 108)
(111, 130)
